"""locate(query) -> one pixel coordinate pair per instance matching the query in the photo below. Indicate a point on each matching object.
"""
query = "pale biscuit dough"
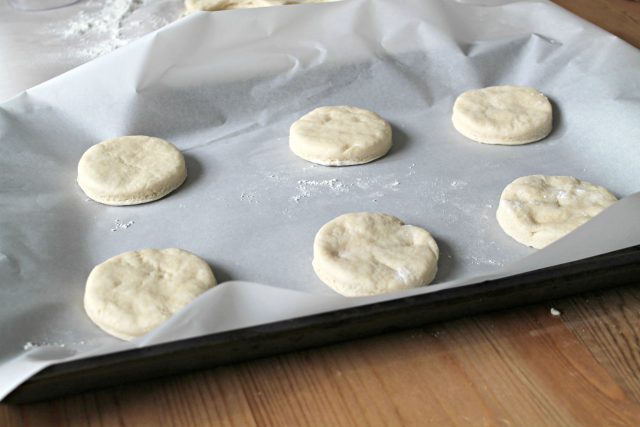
(538, 210)
(130, 170)
(134, 292)
(359, 254)
(213, 5)
(340, 136)
(507, 115)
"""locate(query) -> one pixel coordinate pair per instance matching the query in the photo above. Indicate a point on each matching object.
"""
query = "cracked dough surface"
(134, 292)
(365, 253)
(340, 136)
(537, 210)
(507, 115)
(130, 170)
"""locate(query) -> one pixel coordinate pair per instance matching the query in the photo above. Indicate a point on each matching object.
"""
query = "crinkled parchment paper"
(225, 88)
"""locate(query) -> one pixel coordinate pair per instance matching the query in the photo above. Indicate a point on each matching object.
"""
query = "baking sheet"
(225, 88)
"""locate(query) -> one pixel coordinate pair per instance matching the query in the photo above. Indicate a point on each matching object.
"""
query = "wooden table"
(520, 367)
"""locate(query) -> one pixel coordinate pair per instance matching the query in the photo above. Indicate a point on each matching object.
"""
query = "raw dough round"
(366, 253)
(340, 136)
(507, 115)
(213, 5)
(537, 210)
(134, 292)
(130, 170)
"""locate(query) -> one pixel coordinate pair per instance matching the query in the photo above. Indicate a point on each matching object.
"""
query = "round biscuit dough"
(340, 136)
(365, 253)
(537, 210)
(214, 5)
(134, 292)
(506, 115)
(130, 170)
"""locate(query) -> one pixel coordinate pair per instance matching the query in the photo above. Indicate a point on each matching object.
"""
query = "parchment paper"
(38, 45)
(225, 88)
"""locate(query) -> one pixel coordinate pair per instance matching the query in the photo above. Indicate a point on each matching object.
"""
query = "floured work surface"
(224, 88)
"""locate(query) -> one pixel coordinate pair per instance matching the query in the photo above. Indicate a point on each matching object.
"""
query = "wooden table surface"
(520, 367)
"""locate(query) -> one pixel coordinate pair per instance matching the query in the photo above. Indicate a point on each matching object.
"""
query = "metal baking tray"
(605, 271)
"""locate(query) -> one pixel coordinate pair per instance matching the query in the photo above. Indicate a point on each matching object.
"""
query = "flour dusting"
(393, 186)
(119, 225)
(482, 260)
(307, 188)
(404, 275)
(31, 345)
(456, 185)
(248, 196)
(110, 24)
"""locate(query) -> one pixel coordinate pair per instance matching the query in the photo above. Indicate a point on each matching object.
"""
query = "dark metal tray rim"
(616, 268)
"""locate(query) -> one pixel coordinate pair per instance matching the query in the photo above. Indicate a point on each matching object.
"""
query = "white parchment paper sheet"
(225, 88)
(38, 45)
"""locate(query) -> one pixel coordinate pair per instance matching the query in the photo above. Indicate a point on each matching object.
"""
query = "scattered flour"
(404, 275)
(31, 345)
(393, 186)
(374, 186)
(307, 188)
(248, 196)
(106, 25)
(456, 185)
(480, 260)
(119, 225)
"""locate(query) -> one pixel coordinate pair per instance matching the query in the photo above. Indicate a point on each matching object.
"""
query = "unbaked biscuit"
(367, 253)
(507, 115)
(340, 136)
(134, 292)
(130, 170)
(537, 210)
(214, 5)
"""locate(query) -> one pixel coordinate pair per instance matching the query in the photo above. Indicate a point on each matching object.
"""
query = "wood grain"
(512, 368)
(518, 367)
(608, 323)
(619, 17)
